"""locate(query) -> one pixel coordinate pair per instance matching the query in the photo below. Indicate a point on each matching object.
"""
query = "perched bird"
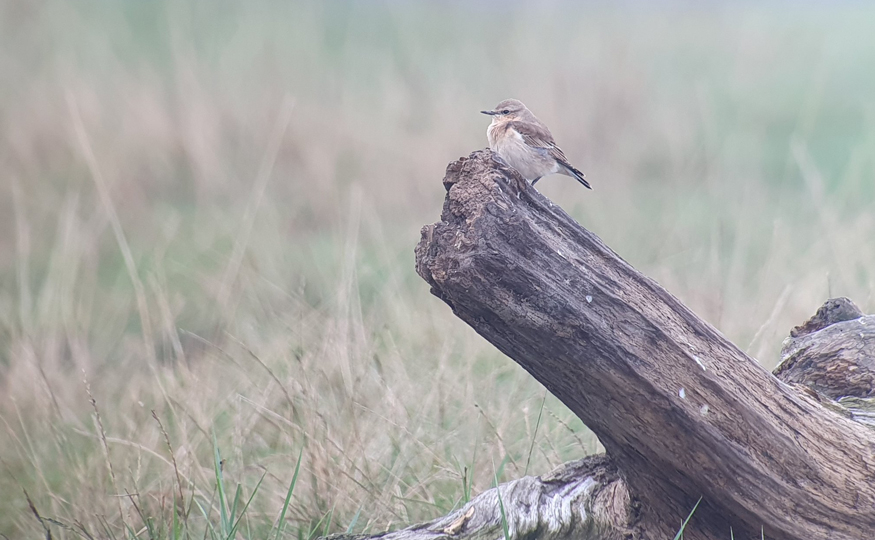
(526, 144)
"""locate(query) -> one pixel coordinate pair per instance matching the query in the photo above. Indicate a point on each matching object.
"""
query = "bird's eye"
(505, 111)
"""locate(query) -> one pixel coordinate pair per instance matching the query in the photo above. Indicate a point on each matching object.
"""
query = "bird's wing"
(538, 136)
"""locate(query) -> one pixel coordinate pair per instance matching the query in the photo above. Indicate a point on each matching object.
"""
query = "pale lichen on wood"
(581, 500)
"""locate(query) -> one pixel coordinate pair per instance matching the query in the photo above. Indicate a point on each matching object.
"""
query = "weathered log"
(832, 357)
(581, 500)
(833, 353)
(681, 411)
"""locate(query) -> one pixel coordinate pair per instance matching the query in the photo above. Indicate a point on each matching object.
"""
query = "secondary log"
(581, 500)
(681, 411)
(833, 353)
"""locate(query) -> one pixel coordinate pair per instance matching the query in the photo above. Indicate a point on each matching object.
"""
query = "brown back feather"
(538, 136)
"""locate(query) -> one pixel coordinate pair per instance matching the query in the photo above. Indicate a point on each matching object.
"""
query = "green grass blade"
(238, 493)
(209, 524)
(131, 533)
(501, 466)
(355, 519)
(233, 531)
(224, 523)
(535, 434)
(327, 526)
(680, 533)
(179, 530)
(504, 527)
(281, 522)
(315, 528)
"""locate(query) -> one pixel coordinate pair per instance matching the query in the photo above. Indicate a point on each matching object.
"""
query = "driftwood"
(682, 412)
(584, 499)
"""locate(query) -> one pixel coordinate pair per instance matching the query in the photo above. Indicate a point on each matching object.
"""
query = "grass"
(208, 213)
(680, 534)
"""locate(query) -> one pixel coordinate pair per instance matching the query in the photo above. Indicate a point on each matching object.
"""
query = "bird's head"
(509, 109)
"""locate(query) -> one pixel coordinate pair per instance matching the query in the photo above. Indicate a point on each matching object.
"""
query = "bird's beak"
(490, 113)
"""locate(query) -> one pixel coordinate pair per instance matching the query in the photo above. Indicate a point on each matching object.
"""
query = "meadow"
(208, 212)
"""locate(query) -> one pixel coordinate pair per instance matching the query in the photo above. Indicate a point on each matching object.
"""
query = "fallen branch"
(682, 412)
(581, 500)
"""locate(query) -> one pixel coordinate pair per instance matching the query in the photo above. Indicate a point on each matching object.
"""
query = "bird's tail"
(577, 175)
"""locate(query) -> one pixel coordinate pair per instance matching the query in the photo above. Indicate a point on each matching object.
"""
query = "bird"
(525, 143)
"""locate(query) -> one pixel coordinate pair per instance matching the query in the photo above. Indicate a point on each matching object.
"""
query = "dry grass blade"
(102, 434)
(180, 504)
(256, 197)
(36, 514)
(109, 208)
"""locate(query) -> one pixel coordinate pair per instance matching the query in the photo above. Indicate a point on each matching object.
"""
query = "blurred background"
(208, 212)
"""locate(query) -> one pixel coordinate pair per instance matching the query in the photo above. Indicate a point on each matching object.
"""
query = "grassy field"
(208, 213)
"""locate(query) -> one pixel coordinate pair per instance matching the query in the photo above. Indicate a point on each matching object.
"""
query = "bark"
(681, 411)
(833, 354)
(832, 357)
(581, 500)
